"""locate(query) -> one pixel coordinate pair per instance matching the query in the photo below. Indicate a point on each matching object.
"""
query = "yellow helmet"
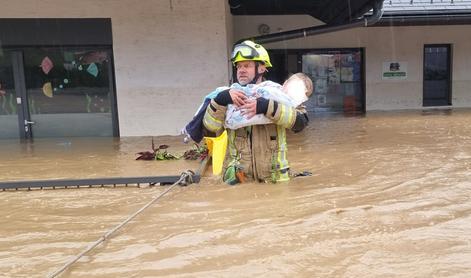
(250, 51)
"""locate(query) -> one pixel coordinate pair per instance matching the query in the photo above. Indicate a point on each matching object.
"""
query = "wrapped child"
(295, 91)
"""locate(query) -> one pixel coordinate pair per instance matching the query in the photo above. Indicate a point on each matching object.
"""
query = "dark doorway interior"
(437, 75)
(284, 64)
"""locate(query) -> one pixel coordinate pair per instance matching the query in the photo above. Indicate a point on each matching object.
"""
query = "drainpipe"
(316, 30)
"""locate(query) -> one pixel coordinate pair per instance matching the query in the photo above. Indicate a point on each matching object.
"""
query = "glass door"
(8, 98)
(69, 91)
(437, 75)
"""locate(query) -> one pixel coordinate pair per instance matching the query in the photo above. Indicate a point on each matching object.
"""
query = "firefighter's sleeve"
(213, 120)
(283, 115)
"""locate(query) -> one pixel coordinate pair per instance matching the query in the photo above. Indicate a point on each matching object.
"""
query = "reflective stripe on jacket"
(213, 119)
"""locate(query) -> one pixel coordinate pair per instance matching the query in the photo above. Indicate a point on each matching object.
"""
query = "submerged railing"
(101, 182)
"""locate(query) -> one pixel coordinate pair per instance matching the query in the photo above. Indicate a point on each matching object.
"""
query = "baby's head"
(299, 87)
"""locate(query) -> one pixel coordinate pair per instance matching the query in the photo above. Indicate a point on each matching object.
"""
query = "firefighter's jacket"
(259, 150)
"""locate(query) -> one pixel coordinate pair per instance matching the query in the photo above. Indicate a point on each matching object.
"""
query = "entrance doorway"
(437, 75)
(56, 92)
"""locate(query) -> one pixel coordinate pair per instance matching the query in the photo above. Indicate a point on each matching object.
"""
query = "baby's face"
(296, 89)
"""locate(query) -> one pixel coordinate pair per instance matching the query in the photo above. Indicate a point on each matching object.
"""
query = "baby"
(294, 92)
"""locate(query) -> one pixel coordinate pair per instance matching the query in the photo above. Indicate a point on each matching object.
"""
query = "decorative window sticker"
(46, 65)
(93, 69)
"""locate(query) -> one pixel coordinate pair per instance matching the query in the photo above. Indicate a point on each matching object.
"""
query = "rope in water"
(185, 179)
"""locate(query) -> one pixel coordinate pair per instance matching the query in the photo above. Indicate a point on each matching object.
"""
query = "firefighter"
(256, 152)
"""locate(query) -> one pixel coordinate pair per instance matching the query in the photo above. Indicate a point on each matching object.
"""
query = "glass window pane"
(69, 91)
(436, 63)
(337, 81)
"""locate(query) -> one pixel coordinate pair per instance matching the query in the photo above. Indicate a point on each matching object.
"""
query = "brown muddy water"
(390, 196)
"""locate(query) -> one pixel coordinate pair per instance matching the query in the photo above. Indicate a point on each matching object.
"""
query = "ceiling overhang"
(331, 12)
(338, 12)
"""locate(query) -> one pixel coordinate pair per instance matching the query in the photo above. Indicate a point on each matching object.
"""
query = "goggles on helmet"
(245, 51)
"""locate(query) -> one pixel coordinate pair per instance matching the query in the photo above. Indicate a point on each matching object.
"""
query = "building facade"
(140, 68)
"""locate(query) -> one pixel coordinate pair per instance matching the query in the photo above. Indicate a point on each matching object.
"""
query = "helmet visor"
(245, 51)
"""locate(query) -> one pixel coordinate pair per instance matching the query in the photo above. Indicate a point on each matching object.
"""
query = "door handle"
(29, 122)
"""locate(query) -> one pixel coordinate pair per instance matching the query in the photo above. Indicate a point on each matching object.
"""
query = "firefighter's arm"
(282, 114)
(213, 120)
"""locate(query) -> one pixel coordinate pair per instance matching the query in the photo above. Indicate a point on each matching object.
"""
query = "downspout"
(316, 30)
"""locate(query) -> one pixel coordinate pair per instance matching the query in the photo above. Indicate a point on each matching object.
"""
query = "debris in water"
(199, 152)
(159, 153)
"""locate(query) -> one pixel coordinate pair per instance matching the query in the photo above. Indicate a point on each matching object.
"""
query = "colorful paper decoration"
(47, 89)
(46, 65)
(68, 56)
(93, 69)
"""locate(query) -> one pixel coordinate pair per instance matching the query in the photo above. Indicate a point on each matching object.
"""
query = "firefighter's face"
(246, 71)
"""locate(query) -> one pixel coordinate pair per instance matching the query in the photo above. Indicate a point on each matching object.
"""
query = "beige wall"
(382, 44)
(168, 54)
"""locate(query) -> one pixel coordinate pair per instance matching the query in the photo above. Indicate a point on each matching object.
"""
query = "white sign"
(394, 71)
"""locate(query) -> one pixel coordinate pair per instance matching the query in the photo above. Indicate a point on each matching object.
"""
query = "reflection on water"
(390, 197)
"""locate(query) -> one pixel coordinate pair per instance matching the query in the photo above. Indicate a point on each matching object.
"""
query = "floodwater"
(390, 196)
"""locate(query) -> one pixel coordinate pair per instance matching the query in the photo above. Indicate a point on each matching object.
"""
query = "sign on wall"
(394, 71)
